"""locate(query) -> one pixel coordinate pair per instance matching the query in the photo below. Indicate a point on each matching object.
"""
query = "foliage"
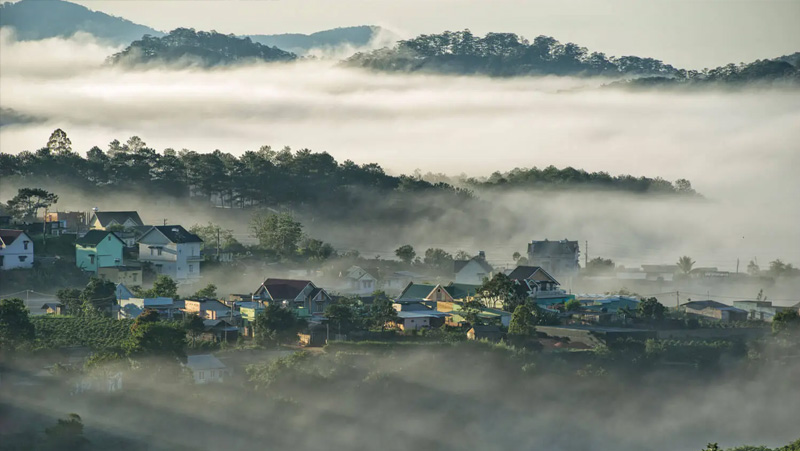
(210, 232)
(685, 264)
(29, 201)
(500, 287)
(786, 323)
(573, 305)
(71, 298)
(315, 250)
(650, 309)
(405, 253)
(297, 367)
(15, 324)
(778, 268)
(599, 265)
(343, 316)
(542, 317)
(773, 71)
(163, 287)
(753, 269)
(209, 291)
(382, 312)
(66, 434)
(276, 325)
(98, 297)
(194, 326)
(502, 54)
(277, 232)
(438, 257)
(571, 178)
(187, 46)
(156, 339)
(522, 321)
(471, 311)
(97, 333)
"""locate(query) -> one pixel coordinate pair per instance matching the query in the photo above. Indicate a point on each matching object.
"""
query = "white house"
(472, 271)
(173, 251)
(206, 368)
(16, 249)
(104, 219)
(358, 281)
(560, 258)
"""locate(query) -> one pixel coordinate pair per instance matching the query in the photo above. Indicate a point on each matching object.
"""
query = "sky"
(690, 34)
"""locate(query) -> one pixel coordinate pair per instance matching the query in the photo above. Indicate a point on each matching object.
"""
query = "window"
(202, 375)
(152, 251)
(191, 268)
(159, 251)
(134, 276)
(22, 258)
(25, 244)
(91, 259)
(212, 374)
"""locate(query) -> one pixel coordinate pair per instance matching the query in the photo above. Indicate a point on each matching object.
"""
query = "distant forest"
(274, 178)
(508, 54)
(197, 47)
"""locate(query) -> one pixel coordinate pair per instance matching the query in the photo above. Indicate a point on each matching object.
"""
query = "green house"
(98, 249)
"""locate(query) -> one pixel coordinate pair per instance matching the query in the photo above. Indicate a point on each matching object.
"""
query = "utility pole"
(44, 231)
(218, 243)
(165, 221)
(737, 266)
(586, 255)
(677, 299)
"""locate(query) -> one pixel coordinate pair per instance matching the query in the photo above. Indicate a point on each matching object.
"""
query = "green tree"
(194, 326)
(787, 323)
(573, 305)
(29, 201)
(71, 299)
(164, 287)
(471, 311)
(405, 253)
(438, 257)
(462, 255)
(276, 325)
(685, 264)
(753, 269)
(59, 143)
(502, 289)
(209, 291)
(66, 434)
(778, 268)
(600, 265)
(98, 296)
(522, 322)
(278, 233)
(343, 317)
(212, 233)
(15, 324)
(382, 311)
(156, 339)
(651, 309)
(316, 250)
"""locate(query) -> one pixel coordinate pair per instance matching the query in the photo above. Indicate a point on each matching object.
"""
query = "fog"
(432, 397)
(739, 148)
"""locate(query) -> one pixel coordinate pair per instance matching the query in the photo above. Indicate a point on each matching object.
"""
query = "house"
(211, 309)
(358, 281)
(130, 275)
(542, 286)
(102, 220)
(122, 292)
(560, 258)
(53, 308)
(438, 293)
(132, 307)
(760, 310)
(302, 296)
(482, 332)
(659, 273)
(472, 271)
(316, 335)
(173, 251)
(398, 280)
(206, 368)
(220, 330)
(98, 249)
(16, 249)
(715, 310)
(61, 222)
(487, 315)
(418, 314)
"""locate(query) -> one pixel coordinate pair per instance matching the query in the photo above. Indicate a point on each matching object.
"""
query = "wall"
(16, 250)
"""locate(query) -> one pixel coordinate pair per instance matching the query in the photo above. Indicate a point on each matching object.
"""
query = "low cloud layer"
(738, 148)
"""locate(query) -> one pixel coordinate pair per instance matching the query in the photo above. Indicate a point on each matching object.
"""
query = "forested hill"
(186, 46)
(300, 44)
(507, 54)
(42, 19)
(502, 54)
(268, 177)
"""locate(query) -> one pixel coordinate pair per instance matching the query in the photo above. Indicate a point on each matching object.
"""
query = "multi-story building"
(173, 251)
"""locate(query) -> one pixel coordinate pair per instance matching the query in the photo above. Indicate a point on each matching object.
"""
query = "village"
(526, 304)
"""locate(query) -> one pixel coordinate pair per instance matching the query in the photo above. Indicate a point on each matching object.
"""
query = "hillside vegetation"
(190, 47)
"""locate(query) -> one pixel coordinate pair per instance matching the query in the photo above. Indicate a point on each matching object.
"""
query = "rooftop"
(204, 362)
(94, 237)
